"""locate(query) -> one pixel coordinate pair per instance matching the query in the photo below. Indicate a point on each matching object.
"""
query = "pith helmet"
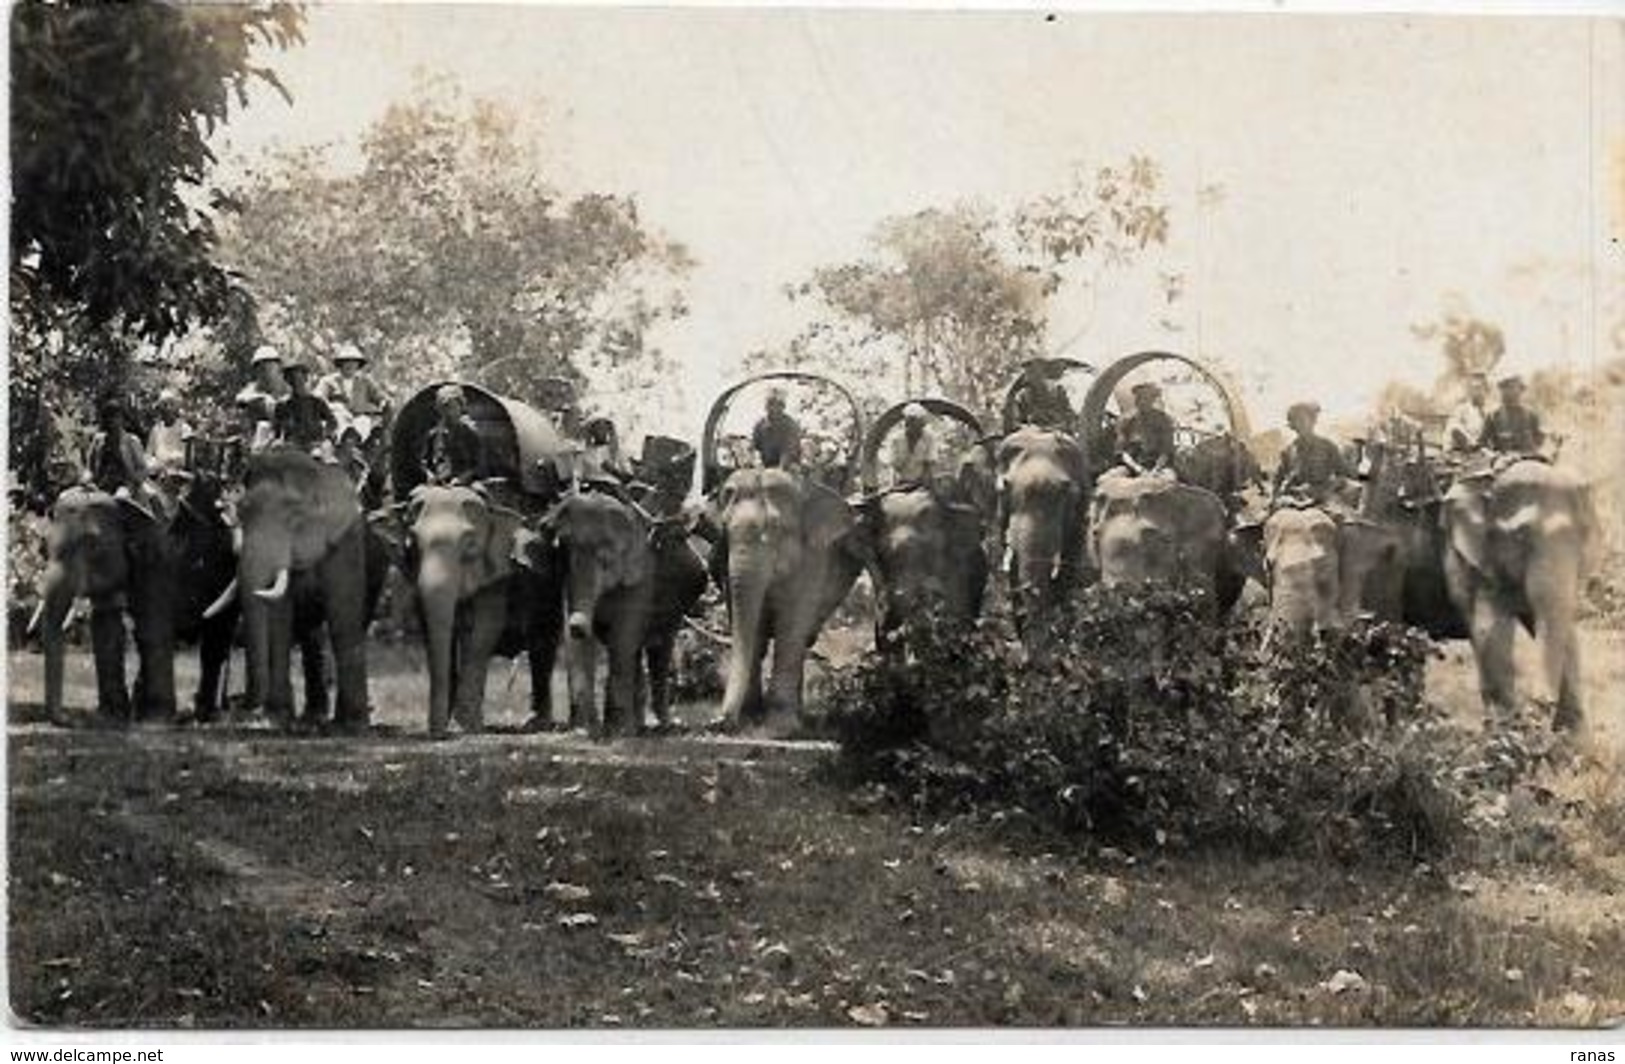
(349, 353)
(266, 353)
(916, 412)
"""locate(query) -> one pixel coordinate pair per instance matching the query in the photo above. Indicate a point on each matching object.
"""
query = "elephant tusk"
(73, 615)
(278, 588)
(33, 622)
(218, 606)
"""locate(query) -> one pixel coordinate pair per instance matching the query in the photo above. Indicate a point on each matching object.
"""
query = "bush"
(1143, 722)
(25, 566)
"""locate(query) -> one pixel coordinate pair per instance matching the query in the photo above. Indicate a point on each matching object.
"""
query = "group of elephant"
(538, 558)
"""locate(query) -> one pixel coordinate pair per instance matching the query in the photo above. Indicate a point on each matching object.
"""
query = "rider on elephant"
(302, 419)
(116, 463)
(1512, 428)
(352, 392)
(1312, 467)
(1145, 439)
(915, 454)
(258, 400)
(602, 460)
(777, 436)
(1041, 401)
(453, 451)
(1465, 428)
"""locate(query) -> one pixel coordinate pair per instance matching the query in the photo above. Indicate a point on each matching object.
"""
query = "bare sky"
(1369, 165)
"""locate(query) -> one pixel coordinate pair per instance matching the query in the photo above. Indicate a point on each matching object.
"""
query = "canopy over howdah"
(889, 419)
(521, 443)
(1092, 419)
(714, 471)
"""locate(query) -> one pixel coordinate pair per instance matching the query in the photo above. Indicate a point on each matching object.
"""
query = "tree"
(954, 300)
(112, 234)
(1468, 343)
(449, 254)
(111, 110)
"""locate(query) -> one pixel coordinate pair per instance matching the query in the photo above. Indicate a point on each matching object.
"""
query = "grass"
(228, 877)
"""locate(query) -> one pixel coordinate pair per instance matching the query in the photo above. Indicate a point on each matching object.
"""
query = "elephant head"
(1045, 480)
(1301, 559)
(301, 531)
(926, 555)
(790, 562)
(1154, 530)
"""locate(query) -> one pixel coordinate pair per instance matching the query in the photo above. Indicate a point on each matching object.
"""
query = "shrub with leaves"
(1143, 722)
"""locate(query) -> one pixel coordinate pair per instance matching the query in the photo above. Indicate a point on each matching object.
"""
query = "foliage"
(112, 237)
(955, 299)
(112, 106)
(25, 568)
(1142, 722)
(1469, 344)
(449, 253)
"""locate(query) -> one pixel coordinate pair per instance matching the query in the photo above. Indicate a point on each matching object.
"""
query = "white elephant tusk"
(33, 622)
(218, 606)
(73, 615)
(278, 588)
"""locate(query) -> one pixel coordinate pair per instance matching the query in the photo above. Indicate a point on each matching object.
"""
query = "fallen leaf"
(1204, 962)
(561, 891)
(578, 920)
(628, 939)
(869, 1015)
(1514, 975)
(1138, 994)
(1344, 981)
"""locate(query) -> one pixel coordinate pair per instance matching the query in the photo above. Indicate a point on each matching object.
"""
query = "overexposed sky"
(1369, 165)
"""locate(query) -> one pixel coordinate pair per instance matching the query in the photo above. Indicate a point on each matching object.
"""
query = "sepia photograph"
(525, 517)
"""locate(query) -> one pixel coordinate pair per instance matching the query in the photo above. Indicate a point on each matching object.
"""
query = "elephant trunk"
(581, 603)
(748, 579)
(438, 588)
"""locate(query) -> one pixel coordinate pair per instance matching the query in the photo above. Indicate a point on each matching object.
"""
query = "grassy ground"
(230, 877)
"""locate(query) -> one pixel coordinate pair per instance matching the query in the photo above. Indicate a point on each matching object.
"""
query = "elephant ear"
(826, 518)
(502, 526)
(1467, 526)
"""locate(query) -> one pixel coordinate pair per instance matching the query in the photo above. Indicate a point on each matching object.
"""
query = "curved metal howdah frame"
(521, 441)
(713, 472)
(1056, 366)
(890, 418)
(1092, 417)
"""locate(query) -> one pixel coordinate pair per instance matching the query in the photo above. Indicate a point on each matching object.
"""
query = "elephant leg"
(545, 629)
(152, 609)
(483, 620)
(214, 650)
(1552, 584)
(345, 597)
(278, 688)
(107, 643)
(1492, 631)
(313, 661)
(621, 716)
(658, 655)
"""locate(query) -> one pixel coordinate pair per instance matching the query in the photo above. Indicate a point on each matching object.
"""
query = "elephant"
(303, 566)
(485, 585)
(1154, 530)
(116, 553)
(790, 560)
(1518, 546)
(1045, 485)
(1302, 561)
(630, 579)
(925, 553)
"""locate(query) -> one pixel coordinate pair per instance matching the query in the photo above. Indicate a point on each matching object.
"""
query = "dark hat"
(1306, 407)
(1512, 381)
(1146, 388)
